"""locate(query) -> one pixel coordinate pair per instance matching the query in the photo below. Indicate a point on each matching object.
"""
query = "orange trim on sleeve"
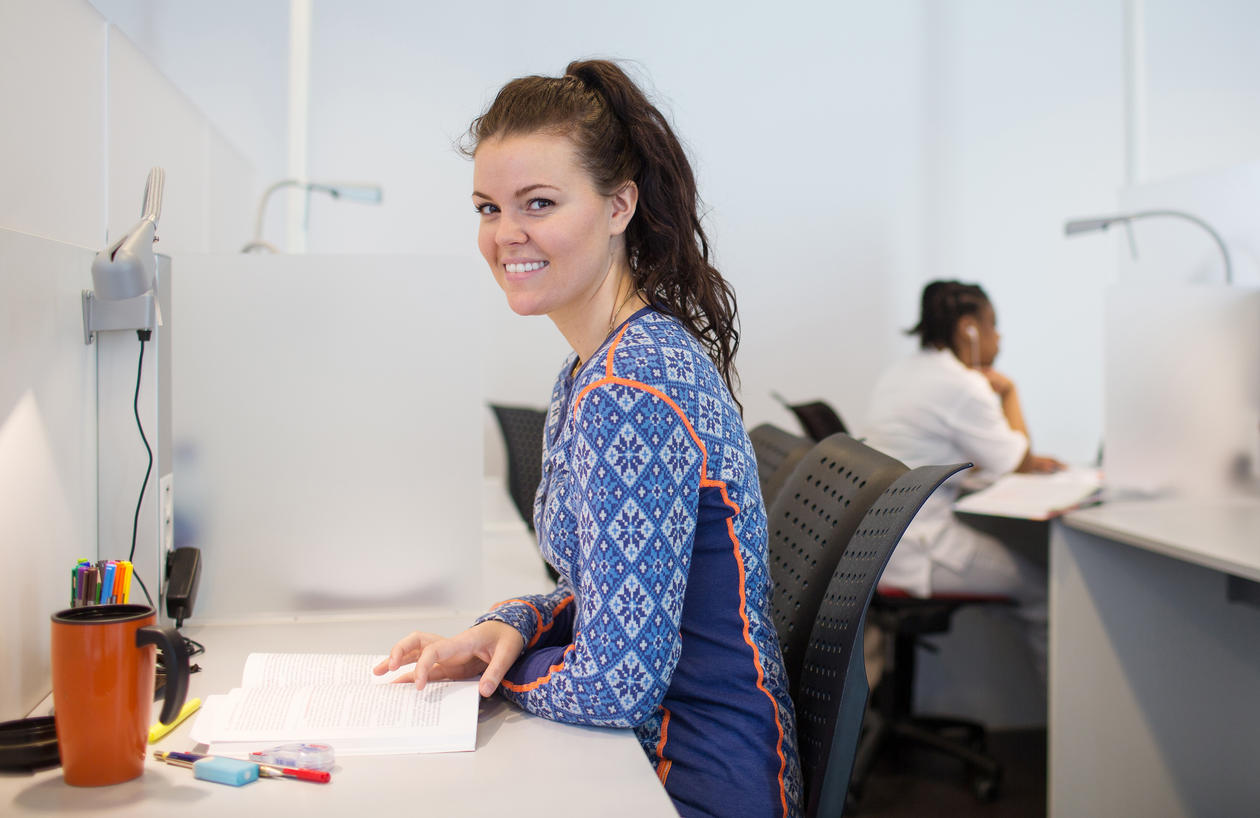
(662, 769)
(564, 603)
(542, 680)
(541, 628)
(537, 613)
(743, 614)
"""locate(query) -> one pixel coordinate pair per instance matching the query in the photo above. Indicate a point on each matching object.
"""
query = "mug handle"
(176, 660)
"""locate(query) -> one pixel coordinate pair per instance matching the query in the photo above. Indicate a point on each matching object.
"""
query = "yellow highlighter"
(158, 730)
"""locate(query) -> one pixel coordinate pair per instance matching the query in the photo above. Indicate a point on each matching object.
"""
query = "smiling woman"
(649, 506)
(555, 244)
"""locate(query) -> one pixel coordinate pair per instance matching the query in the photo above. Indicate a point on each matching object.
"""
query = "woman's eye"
(485, 209)
(538, 204)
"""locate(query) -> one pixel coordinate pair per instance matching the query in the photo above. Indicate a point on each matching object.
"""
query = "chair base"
(959, 738)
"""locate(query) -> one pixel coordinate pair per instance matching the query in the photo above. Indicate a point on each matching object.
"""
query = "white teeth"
(525, 268)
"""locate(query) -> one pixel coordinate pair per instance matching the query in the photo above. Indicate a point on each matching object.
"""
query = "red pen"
(272, 771)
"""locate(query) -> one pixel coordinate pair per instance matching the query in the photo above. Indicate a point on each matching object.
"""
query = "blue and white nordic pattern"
(650, 509)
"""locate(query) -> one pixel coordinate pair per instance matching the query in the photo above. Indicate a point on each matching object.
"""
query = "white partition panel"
(53, 139)
(1183, 371)
(47, 452)
(328, 431)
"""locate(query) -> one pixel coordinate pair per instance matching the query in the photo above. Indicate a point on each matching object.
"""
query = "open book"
(334, 699)
(1034, 496)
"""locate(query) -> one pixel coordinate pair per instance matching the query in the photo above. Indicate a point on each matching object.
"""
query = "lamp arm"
(262, 208)
(1220, 243)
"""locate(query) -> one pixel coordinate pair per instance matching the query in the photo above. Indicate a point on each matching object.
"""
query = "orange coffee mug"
(103, 658)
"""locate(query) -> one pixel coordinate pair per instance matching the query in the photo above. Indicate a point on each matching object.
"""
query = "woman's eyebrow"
(523, 191)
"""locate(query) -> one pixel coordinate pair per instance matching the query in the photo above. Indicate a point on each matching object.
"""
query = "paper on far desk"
(334, 699)
(1034, 496)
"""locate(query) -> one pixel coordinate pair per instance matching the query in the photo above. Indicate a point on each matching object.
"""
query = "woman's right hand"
(1001, 384)
(489, 648)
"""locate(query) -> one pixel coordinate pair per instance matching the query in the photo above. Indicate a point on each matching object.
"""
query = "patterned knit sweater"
(650, 509)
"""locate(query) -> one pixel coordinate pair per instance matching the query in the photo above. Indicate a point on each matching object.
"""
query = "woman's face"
(986, 340)
(550, 237)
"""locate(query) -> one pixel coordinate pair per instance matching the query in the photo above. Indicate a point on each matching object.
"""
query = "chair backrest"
(522, 429)
(818, 419)
(778, 452)
(810, 523)
(831, 696)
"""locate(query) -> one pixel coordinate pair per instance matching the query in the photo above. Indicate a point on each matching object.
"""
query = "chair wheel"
(985, 787)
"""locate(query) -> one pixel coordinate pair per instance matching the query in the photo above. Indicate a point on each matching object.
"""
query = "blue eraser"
(228, 771)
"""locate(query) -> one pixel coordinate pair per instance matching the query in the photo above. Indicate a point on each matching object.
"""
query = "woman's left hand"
(1039, 464)
(489, 648)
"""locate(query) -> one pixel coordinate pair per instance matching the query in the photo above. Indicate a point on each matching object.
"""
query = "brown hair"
(620, 136)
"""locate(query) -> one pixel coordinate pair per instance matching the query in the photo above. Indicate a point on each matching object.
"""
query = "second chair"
(832, 690)
(810, 523)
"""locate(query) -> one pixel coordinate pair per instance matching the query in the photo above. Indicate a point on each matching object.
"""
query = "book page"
(1034, 496)
(356, 719)
(306, 669)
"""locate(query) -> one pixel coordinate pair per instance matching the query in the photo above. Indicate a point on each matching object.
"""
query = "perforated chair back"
(522, 429)
(832, 693)
(778, 452)
(810, 523)
(818, 419)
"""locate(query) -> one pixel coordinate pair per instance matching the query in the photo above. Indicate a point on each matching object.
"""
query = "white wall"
(86, 116)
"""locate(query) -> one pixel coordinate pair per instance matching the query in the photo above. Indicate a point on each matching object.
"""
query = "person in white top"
(946, 404)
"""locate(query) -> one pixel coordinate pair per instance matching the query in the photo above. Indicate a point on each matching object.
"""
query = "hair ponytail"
(621, 137)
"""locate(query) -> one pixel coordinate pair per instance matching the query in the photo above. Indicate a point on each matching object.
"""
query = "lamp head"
(1089, 225)
(128, 267)
(350, 191)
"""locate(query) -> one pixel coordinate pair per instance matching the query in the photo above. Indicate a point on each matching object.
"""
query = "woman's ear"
(625, 200)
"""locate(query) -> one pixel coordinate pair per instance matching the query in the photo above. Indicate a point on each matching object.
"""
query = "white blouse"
(931, 409)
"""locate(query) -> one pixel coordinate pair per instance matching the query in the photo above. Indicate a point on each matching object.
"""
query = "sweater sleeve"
(544, 620)
(636, 473)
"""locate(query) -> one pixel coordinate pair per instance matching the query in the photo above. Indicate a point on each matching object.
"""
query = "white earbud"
(971, 332)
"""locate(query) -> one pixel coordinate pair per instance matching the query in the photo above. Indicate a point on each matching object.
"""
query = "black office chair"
(817, 418)
(777, 453)
(906, 620)
(832, 692)
(523, 430)
(810, 523)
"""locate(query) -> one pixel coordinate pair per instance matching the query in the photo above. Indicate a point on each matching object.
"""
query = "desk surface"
(1219, 534)
(523, 765)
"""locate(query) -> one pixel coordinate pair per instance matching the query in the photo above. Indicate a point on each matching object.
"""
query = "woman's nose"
(509, 231)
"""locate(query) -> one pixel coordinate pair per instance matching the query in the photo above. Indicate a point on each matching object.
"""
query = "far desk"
(523, 765)
(1154, 673)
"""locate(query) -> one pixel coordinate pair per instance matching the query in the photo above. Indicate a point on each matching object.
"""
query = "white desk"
(523, 765)
(1154, 674)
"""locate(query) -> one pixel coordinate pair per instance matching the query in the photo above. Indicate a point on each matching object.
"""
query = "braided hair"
(944, 304)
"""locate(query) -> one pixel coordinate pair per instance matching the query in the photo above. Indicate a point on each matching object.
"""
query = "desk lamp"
(124, 273)
(365, 192)
(1103, 222)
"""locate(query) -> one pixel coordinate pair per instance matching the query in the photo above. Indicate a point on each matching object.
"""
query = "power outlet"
(166, 487)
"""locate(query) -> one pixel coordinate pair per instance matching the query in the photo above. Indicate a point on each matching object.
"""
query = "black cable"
(144, 336)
